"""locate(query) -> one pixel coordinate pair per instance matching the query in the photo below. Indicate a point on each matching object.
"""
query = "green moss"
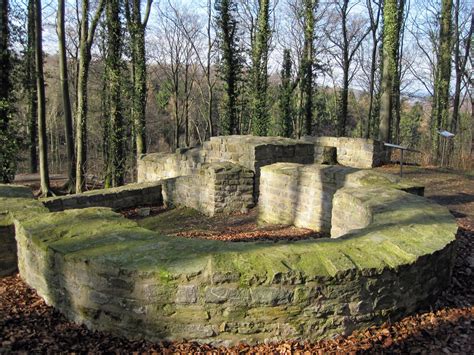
(406, 229)
(19, 208)
(171, 221)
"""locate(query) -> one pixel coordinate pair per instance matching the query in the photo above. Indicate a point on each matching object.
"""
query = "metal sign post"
(402, 149)
(446, 135)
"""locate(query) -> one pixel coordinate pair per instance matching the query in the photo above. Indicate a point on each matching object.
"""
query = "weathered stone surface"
(247, 151)
(108, 273)
(186, 294)
(302, 195)
(394, 253)
(214, 188)
(15, 191)
(353, 152)
(14, 200)
(130, 195)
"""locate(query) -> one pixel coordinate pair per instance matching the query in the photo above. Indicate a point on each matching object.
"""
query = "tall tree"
(389, 65)
(86, 39)
(42, 137)
(30, 87)
(460, 62)
(347, 40)
(115, 165)
(398, 73)
(229, 66)
(6, 152)
(307, 66)
(137, 28)
(374, 24)
(259, 72)
(4, 65)
(67, 111)
(440, 111)
(286, 96)
(191, 31)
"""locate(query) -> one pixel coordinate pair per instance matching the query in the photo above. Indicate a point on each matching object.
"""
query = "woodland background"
(123, 77)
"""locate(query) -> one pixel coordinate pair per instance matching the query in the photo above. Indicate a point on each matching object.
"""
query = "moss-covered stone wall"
(106, 272)
(14, 200)
(302, 195)
(127, 196)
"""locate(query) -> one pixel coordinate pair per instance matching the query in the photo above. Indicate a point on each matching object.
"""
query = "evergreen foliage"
(7, 141)
(307, 66)
(389, 72)
(229, 65)
(259, 71)
(115, 165)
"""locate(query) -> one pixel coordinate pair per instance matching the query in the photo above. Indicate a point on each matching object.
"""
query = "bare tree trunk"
(137, 33)
(210, 90)
(5, 65)
(31, 88)
(389, 53)
(374, 22)
(87, 37)
(43, 139)
(81, 115)
(64, 80)
(439, 119)
(460, 65)
(186, 105)
(398, 73)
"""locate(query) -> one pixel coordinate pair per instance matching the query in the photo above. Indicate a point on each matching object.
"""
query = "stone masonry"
(104, 271)
(302, 195)
(117, 198)
(248, 151)
(392, 254)
(215, 188)
(13, 199)
(353, 152)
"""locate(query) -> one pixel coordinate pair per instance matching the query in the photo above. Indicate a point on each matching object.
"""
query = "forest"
(86, 87)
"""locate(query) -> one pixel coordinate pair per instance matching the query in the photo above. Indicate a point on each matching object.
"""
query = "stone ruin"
(391, 250)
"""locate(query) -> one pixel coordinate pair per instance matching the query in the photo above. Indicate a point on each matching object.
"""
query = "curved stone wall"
(106, 272)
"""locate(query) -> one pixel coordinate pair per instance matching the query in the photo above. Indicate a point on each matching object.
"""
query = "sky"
(419, 14)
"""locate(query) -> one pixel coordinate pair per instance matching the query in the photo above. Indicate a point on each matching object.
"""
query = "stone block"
(186, 294)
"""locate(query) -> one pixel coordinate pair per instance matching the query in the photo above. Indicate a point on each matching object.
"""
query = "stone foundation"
(13, 199)
(248, 151)
(8, 259)
(302, 195)
(353, 152)
(109, 274)
(216, 188)
(117, 198)
(393, 254)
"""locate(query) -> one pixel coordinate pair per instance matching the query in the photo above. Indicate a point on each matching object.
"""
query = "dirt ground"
(28, 324)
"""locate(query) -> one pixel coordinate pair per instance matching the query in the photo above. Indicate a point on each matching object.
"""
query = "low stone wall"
(302, 195)
(157, 166)
(104, 271)
(215, 188)
(248, 151)
(353, 152)
(14, 199)
(130, 195)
